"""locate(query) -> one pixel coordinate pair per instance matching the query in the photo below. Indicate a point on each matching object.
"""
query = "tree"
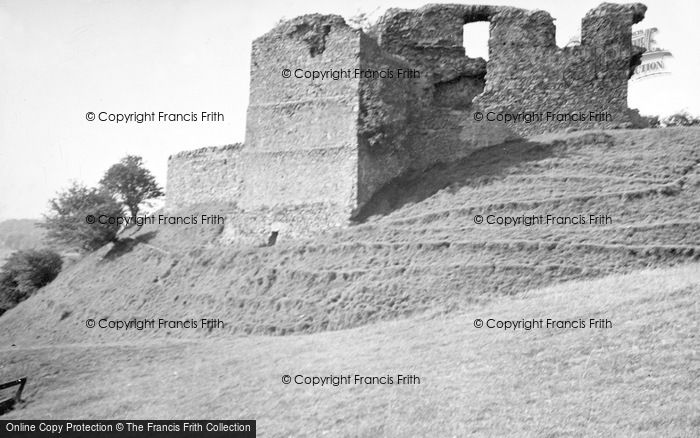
(25, 272)
(83, 217)
(130, 183)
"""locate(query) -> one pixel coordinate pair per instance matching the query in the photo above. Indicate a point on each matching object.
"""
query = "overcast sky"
(61, 59)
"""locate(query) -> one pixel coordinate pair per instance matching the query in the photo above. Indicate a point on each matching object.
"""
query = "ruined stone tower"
(399, 99)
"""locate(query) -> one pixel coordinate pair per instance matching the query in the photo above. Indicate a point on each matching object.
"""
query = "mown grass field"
(639, 378)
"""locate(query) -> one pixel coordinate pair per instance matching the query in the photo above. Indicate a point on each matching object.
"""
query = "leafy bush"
(24, 272)
(682, 118)
(72, 212)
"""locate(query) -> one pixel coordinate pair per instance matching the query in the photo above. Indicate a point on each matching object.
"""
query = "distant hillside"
(18, 234)
(417, 250)
(21, 233)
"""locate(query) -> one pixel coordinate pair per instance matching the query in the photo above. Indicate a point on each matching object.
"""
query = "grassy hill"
(639, 378)
(417, 248)
(398, 292)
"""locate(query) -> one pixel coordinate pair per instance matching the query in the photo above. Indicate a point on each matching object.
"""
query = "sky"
(62, 59)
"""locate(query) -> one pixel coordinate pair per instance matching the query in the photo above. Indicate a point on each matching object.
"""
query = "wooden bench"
(7, 404)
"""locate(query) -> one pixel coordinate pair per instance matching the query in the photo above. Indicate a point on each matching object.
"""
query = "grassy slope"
(426, 263)
(424, 254)
(640, 378)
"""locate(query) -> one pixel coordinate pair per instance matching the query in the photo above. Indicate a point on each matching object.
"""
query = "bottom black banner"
(127, 428)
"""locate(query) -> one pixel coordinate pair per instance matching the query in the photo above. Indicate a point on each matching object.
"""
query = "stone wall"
(527, 72)
(316, 151)
(440, 126)
(387, 108)
(301, 135)
(207, 175)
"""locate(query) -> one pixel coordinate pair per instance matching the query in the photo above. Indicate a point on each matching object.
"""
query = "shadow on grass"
(127, 244)
(472, 170)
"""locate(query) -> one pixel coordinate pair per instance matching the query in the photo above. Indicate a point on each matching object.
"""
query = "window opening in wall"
(475, 39)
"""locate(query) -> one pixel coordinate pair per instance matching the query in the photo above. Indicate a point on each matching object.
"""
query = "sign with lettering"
(654, 59)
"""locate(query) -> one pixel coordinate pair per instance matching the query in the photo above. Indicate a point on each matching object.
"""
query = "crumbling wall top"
(312, 29)
(206, 151)
(309, 23)
(610, 23)
(634, 11)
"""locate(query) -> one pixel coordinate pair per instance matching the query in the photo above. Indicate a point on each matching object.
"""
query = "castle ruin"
(316, 150)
